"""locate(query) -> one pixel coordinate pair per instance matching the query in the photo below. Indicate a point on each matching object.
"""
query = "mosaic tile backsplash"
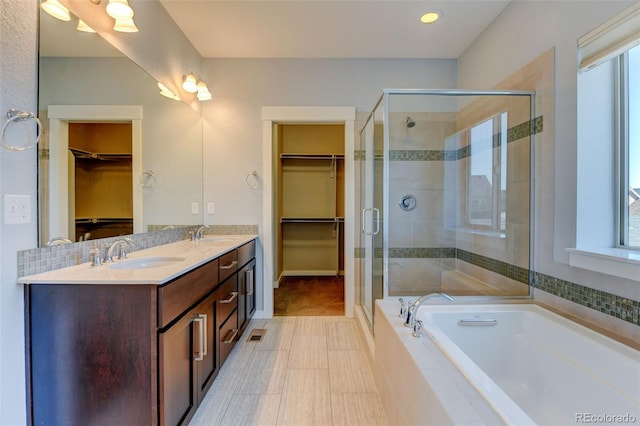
(46, 259)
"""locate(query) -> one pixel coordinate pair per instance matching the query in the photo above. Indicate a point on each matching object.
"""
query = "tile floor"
(307, 370)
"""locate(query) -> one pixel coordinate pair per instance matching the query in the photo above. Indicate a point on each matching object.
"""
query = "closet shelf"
(84, 220)
(312, 156)
(81, 154)
(311, 219)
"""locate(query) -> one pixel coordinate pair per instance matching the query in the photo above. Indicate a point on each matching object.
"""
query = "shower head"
(409, 122)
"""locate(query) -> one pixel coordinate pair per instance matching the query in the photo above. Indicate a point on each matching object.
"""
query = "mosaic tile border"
(619, 307)
(514, 133)
(616, 306)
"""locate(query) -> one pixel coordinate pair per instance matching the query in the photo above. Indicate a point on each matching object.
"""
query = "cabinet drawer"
(177, 296)
(228, 264)
(246, 252)
(228, 336)
(227, 298)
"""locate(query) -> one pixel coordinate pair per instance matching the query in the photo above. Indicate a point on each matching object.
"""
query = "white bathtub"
(535, 367)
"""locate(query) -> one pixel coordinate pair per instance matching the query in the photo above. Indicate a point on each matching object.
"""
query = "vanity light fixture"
(82, 26)
(164, 91)
(55, 9)
(119, 10)
(203, 92)
(190, 83)
(431, 16)
(125, 26)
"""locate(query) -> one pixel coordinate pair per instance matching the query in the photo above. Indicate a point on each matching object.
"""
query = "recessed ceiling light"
(430, 17)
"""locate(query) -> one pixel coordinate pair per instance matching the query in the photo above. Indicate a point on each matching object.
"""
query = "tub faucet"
(121, 244)
(413, 309)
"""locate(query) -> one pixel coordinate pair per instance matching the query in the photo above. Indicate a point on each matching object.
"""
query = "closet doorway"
(309, 165)
(307, 213)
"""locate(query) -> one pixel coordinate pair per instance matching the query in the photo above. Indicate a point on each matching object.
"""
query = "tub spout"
(411, 312)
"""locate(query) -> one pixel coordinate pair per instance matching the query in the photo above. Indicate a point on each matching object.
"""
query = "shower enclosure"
(446, 195)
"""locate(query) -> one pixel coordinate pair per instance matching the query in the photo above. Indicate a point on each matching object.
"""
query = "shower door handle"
(377, 221)
(363, 221)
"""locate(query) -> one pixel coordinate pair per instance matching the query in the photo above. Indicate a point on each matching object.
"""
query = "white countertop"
(195, 253)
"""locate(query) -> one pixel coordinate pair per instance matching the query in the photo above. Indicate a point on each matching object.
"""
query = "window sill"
(612, 261)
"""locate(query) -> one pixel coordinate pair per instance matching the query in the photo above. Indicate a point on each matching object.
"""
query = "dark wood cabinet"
(139, 354)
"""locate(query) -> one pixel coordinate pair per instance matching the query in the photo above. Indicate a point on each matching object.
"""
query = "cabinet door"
(206, 332)
(247, 284)
(178, 390)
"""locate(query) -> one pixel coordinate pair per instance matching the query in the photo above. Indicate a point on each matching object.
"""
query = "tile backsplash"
(44, 259)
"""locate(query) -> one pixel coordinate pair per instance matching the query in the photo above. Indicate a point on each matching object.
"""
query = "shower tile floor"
(307, 370)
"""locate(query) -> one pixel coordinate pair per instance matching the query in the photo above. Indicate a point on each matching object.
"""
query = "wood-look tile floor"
(314, 296)
(307, 370)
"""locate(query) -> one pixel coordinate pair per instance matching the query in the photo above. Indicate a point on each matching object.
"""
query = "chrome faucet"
(411, 313)
(121, 244)
(57, 241)
(200, 232)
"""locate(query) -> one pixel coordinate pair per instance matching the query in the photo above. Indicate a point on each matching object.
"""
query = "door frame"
(59, 117)
(316, 115)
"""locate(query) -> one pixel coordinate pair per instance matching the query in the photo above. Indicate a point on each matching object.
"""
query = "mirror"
(162, 183)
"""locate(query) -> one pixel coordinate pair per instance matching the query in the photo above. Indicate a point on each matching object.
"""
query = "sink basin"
(146, 262)
(218, 239)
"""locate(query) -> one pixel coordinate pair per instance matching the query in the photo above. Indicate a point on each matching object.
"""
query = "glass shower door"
(371, 204)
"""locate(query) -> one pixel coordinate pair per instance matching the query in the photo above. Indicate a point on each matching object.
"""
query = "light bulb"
(125, 26)
(82, 26)
(190, 83)
(203, 92)
(119, 9)
(55, 9)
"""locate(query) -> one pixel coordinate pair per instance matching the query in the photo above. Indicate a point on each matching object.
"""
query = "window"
(629, 148)
(487, 173)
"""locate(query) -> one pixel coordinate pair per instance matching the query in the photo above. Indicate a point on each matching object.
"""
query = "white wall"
(240, 87)
(18, 20)
(521, 33)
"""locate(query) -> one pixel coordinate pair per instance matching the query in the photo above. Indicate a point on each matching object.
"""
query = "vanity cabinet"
(133, 354)
(246, 284)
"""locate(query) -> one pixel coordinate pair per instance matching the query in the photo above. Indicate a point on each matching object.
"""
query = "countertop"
(194, 254)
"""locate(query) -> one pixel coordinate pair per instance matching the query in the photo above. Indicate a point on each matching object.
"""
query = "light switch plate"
(194, 207)
(17, 209)
(211, 208)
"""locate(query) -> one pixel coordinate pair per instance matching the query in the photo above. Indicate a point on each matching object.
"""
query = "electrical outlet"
(211, 208)
(194, 207)
(17, 209)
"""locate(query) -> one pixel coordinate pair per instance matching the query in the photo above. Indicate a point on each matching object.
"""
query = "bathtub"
(530, 366)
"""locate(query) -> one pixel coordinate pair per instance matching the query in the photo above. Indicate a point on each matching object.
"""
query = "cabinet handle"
(233, 334)
(230, 298)
(230, 265)
(204, 334)
(248, 273)
(199, 356)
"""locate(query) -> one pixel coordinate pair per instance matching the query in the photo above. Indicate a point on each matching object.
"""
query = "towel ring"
(257, 183)
(13, 116)
(148, 179)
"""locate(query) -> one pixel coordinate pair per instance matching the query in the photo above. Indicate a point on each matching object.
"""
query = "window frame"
(497, 178)
(622, 143)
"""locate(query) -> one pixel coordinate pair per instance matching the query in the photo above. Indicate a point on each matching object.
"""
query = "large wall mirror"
(116, 157)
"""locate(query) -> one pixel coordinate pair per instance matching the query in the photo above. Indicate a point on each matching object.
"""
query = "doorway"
(287, 228)
(56, 216)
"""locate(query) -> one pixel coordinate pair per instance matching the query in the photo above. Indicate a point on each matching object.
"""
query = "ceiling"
(331, 28)
(305, 28)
